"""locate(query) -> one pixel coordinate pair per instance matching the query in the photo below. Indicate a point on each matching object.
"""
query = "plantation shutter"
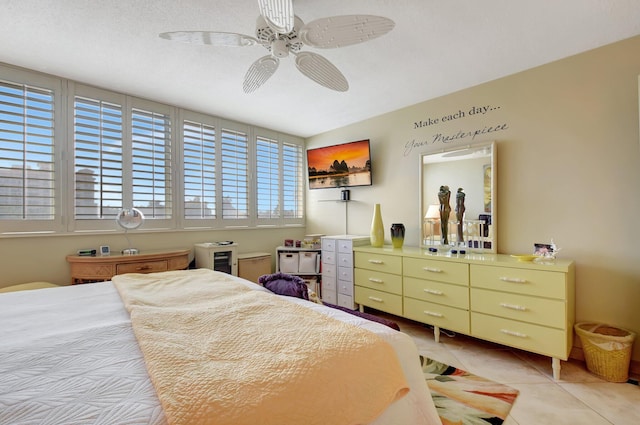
(151, 163)
(292, 181)
(199, 147)
(27, 157)
(267, 178)
(235, 162)
(97, 159)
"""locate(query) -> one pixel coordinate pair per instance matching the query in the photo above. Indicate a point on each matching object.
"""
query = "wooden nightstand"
(102, 268)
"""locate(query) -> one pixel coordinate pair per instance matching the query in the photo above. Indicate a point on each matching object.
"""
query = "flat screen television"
(344, 165)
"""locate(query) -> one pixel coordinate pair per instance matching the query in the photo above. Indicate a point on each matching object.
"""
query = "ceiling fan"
(283, 33)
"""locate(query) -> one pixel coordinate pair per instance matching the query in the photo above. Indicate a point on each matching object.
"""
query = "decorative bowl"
(525, 257)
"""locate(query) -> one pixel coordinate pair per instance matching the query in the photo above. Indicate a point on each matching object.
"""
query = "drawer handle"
(143, 268)
(513, 307)
(513, 280)
(376, 261)
(374, 280)
(513, 333)
(376, 299)
(432, 313)
(432, 270)
(432, 291)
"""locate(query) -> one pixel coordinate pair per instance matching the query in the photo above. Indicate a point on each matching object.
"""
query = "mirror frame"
(423, 205)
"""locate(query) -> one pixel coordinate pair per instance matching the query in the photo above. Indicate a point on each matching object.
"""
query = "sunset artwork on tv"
(344, 165)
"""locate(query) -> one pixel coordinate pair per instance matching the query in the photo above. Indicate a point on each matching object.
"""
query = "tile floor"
(578, 398)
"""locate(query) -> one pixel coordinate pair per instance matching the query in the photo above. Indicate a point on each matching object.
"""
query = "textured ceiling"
(437, 47)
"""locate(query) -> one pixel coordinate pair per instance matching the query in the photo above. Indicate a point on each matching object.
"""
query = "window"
(73, 165)
(279, 181)
(28, 171)
(121, 158)
(259, 183)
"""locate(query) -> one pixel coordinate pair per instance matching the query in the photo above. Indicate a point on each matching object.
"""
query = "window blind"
(27, 158)
(267, 178)
(199, 153)
(97, 158)
(235, 162)
(151, 163)
(292, 181)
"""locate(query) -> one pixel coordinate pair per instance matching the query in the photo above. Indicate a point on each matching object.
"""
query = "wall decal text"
(454, 136)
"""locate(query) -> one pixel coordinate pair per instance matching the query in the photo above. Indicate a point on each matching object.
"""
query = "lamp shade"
(433, 212)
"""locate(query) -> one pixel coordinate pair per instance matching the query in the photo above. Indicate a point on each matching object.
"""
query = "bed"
(101, 354)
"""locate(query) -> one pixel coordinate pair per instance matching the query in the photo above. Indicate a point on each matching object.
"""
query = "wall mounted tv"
(344, 165)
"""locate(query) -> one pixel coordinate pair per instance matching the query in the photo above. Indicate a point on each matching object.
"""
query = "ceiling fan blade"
(339, 31)
(259, 72)
(278, 14)
(211, 38)
(321, 71)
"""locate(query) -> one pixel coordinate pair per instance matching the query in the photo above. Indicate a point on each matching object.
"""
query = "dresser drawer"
(329, 283)
(345, 260)
(442, 271)
(328, 244)
(526, 336)
(540, 311)
(445, 317)
(93, 271)
(541, 283)
(379, 262)
(436, 292)
(379, 281)
(329, 270)
(329, 296)
(379, 300)
(346, 301)
(345, 245)
(328, 257)
(345, 288)
(146, 267)
(345, 274)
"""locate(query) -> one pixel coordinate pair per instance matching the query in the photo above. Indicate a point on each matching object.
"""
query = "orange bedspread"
(220, 353)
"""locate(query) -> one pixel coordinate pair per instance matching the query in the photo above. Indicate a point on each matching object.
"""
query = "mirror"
(473, 169)
(129, 219)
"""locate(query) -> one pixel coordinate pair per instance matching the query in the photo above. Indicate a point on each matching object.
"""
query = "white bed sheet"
(69, 356)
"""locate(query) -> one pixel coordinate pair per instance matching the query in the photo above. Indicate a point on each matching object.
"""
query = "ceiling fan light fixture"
(279, 48)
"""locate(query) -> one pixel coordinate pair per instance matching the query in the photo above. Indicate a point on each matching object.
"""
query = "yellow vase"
(377, 228)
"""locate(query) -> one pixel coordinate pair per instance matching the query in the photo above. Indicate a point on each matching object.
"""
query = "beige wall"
(568, 169)
(27, 259)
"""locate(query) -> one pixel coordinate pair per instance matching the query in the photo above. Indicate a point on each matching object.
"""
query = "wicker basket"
(607, 350)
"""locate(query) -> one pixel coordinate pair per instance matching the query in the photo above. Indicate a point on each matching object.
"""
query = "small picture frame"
(543, 249)
(105, 250)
